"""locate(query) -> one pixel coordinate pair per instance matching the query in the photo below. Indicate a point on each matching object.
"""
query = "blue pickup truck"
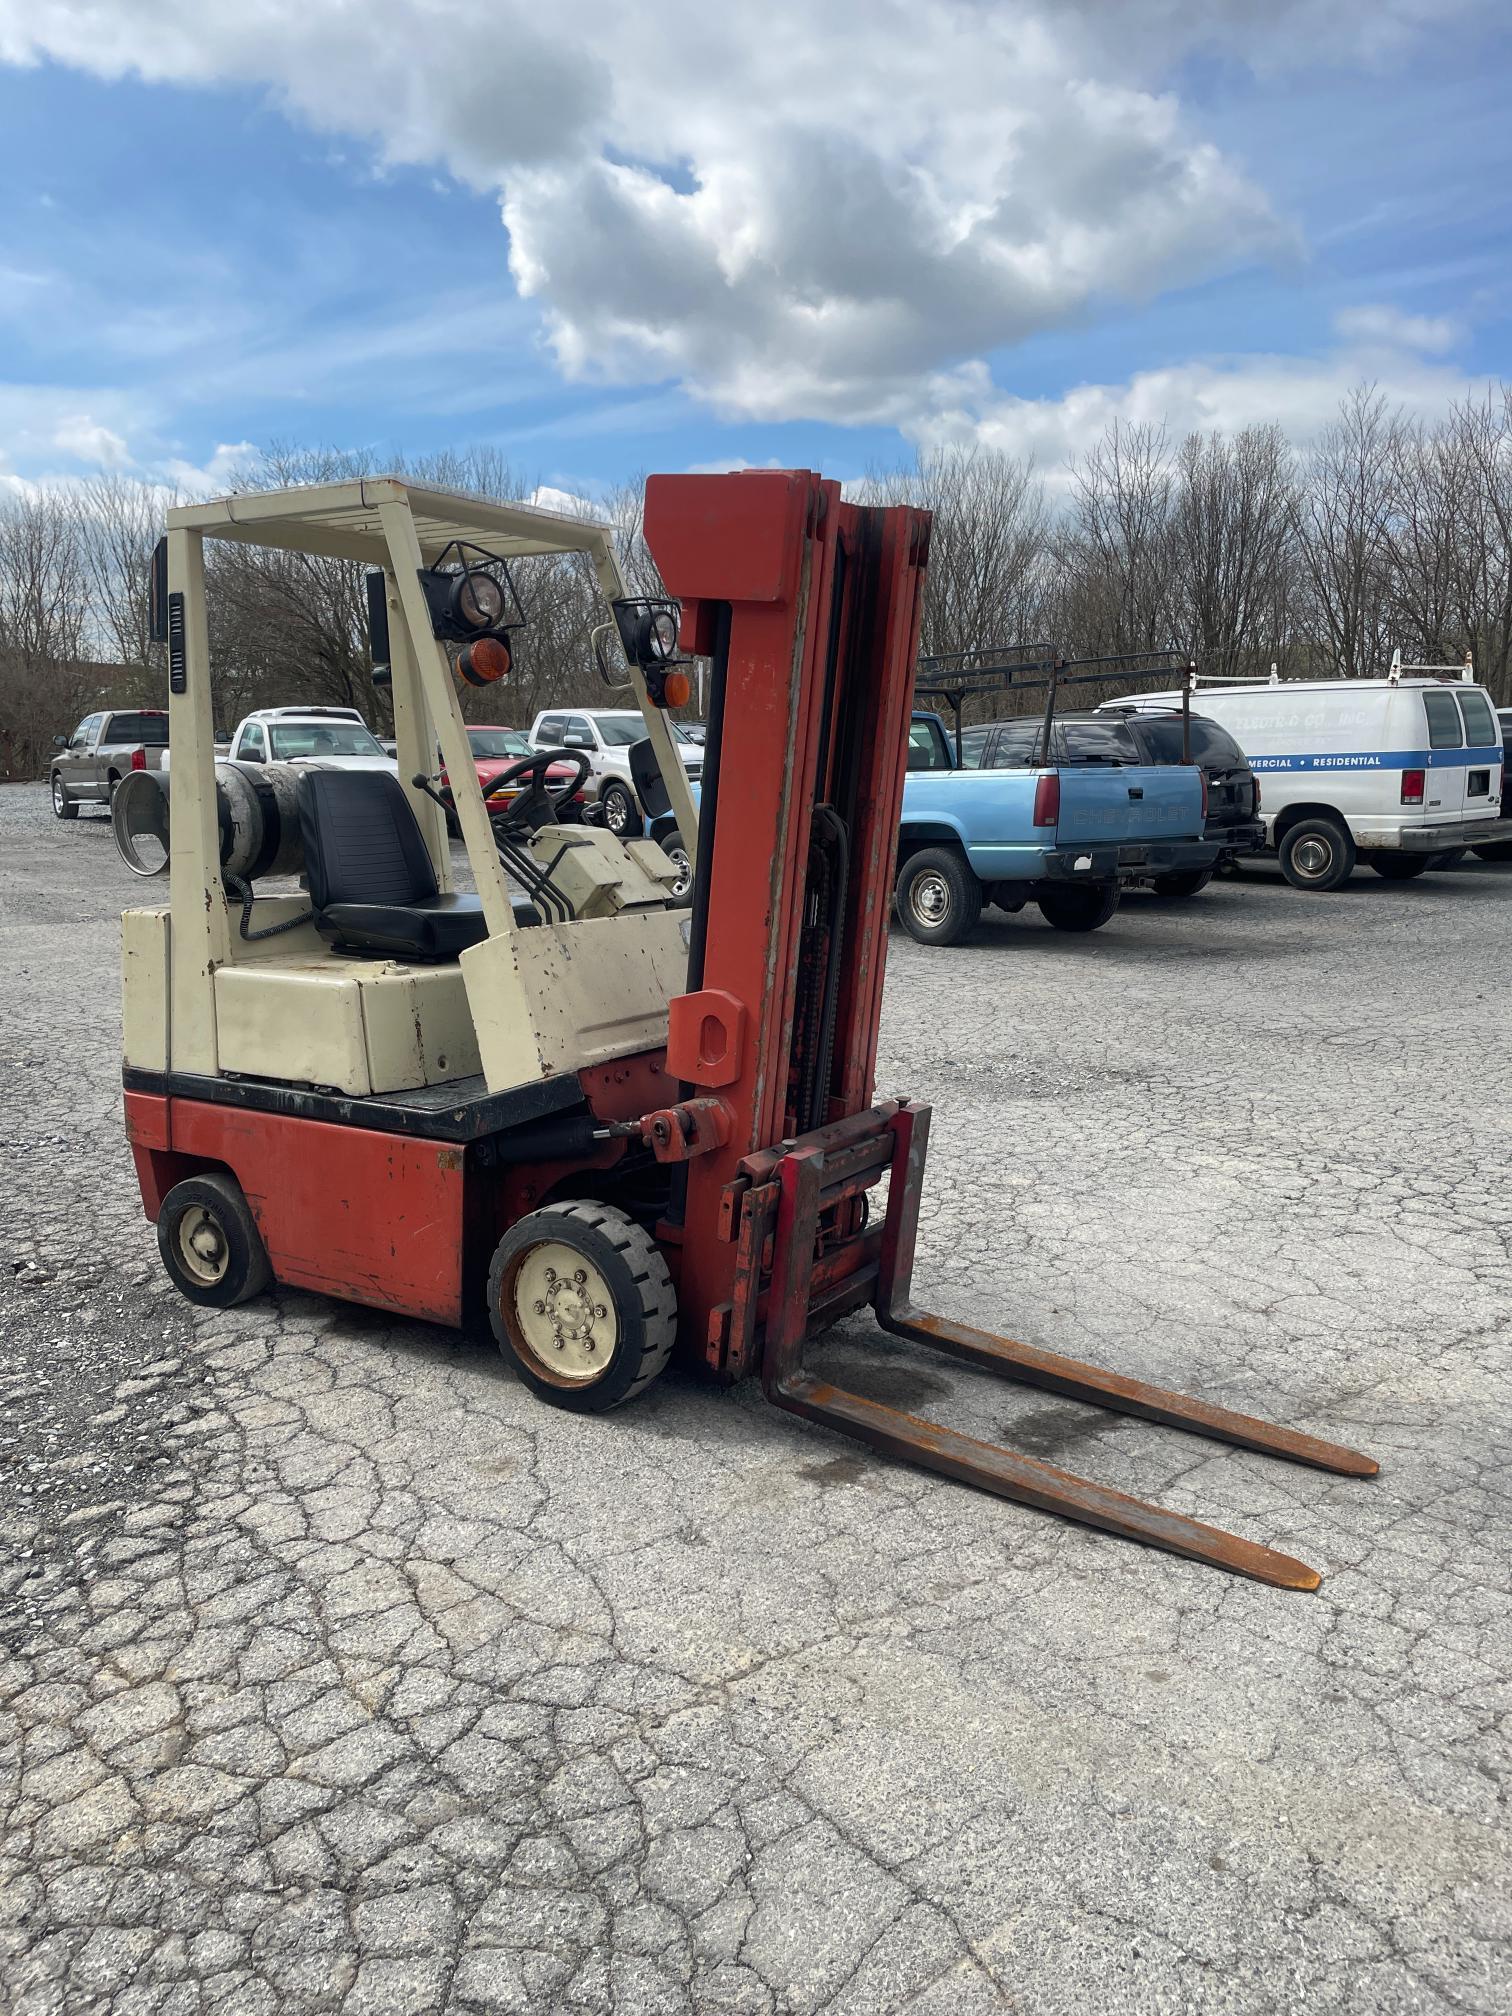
(1067, 839)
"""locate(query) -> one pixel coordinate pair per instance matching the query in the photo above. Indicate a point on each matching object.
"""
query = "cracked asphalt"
(337, 1674)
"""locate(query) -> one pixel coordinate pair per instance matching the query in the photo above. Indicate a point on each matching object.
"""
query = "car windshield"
(151, 729)
(619, 730)
(292, 739)
(488, 742)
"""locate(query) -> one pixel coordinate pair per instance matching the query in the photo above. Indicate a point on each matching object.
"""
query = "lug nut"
(540, 1308)
(580, 1277)
(600, 1311)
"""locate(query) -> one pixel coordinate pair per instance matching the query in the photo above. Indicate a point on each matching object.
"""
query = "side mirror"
(60, 741)
(250, 756)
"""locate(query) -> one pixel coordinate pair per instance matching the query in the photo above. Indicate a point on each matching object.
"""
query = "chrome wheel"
(202, 1246)
(619, 814)
(929, 898)
(564, 1314)
(59, 801)
(678, 856)
(1313, 857)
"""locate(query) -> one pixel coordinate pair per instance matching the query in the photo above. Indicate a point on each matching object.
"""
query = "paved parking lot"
(338, 1675)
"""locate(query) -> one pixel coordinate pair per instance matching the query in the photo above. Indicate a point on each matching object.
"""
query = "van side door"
(1483, 751)
(1444, 796)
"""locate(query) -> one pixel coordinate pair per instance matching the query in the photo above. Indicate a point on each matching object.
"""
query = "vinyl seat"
(372, 884)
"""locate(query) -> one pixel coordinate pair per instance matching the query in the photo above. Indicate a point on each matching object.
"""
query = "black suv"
(1118, 734)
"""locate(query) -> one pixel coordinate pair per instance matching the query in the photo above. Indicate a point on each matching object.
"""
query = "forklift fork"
(883, 1270)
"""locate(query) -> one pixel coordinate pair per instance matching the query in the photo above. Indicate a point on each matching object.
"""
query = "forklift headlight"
(661, 635)
(478, 600)
(648, 630)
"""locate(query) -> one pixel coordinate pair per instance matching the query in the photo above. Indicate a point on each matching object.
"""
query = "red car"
(494, 749)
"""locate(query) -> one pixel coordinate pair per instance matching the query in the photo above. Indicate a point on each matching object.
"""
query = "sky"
(608, 241)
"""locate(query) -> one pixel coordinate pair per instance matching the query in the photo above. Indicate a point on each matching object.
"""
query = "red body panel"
(343, 1210)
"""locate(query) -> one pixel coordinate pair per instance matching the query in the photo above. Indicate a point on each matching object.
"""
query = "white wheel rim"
(563, 1314)
(929, 898)
(616, 813)
(202, 1246)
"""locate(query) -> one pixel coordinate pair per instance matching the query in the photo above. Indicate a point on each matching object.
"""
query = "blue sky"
(186, 265)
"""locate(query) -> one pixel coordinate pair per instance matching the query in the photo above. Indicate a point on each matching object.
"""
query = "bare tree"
(1232, 546)
(44, 681)
(1345, 519)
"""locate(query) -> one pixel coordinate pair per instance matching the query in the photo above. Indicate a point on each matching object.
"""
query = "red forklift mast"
(808, 607)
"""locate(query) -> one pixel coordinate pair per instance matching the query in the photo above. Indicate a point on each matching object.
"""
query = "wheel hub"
(564, 1313)
(930, 898)
(1313, 857)
(203, 1246)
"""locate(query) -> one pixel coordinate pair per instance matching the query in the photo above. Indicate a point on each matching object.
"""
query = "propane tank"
(257, 811)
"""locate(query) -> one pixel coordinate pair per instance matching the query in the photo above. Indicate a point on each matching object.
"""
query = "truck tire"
(63, 806)
(675, 849)
(937, 897)
(620, 815)
(1401, 867)
(1191, 883)
(1085, 906)
(210, 1243)
(582, 1305)
(1317, 854)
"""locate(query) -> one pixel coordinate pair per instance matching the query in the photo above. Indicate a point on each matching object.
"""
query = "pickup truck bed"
(87, 765)
(1067, 839)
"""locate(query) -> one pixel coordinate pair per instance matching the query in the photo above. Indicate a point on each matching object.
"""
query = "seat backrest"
(362, 841)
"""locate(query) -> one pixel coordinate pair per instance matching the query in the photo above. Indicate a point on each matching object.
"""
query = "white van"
(1393, 772)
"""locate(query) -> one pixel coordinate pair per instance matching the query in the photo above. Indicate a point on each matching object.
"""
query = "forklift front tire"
(938, 897)
(582, 1305)
(210, 1243)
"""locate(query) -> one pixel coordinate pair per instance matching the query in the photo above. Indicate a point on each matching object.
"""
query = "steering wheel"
(537, 805)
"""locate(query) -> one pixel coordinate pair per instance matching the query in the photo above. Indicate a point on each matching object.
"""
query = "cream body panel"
(145, 987)
(362, 1028)
(559, 998)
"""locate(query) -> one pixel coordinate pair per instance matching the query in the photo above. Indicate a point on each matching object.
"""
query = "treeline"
(1384, 533)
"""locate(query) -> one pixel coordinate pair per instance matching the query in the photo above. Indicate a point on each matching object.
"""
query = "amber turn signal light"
(675, 689)
(484, 662)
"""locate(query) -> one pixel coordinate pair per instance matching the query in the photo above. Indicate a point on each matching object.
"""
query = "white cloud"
(86, 440)
(792, 210)
(1224, 393)
(1377, 327)
(211, 478)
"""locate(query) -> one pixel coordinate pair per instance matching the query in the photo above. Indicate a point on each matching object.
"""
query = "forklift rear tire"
(938, 898)
(1085, 908)
(63, 806)
(582, 1305)
(210, 1243)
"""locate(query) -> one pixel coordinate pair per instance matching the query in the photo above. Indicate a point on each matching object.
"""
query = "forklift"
(614, 1123)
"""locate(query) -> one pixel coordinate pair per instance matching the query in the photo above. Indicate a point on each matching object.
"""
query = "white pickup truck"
(606, 735)
(87, 765)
